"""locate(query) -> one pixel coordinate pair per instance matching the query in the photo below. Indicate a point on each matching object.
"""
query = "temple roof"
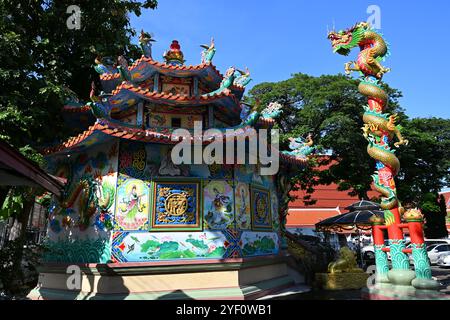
(145, 68)
(109, 128)
(104, 130)
(125, 95)
(86, 110)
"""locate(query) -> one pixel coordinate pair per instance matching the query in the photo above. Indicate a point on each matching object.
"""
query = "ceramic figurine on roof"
(250, 114)
(227, 82)
(174, 56)
(100, 67)
(300, 147)
(122, 66)
(130, 204)
(93, 93)
(272, 111)
(145, 42)
(242, 78)
(208, 52)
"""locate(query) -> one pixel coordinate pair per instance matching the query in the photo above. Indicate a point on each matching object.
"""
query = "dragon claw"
(382, 72)
(348, 68)
(401, 142)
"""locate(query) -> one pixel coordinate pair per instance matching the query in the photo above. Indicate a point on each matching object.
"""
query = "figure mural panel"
(261, 209)
(176, 205)
(132, 210)
(218, 204)
(242, 198)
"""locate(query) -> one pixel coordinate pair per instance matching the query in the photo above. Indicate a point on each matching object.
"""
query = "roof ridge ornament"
(100, 66)
(174, 56)
(227, 82)
(300, 147)
(145, 42)
(122, 66)
(242, 77)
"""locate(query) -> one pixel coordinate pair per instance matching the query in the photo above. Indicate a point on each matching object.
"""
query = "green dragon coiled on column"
(379, 128)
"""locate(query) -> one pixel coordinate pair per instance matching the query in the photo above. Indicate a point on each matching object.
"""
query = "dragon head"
(345, 40)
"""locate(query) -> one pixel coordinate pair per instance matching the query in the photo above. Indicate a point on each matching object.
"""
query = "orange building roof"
(307, 218)
(327, 196)
(447, 201)
(329, 203)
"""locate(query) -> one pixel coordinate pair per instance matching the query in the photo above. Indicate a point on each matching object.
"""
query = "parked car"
(430, 242)
(429, 248)
(444, 260)
(440, 250)
(369, 251)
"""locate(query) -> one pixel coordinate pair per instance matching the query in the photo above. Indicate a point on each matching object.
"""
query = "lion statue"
(346, 262)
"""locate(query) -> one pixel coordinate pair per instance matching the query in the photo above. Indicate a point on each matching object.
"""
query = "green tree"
(329, 107)
(426, 160)
(435, 212)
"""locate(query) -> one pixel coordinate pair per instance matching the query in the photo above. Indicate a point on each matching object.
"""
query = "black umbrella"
(359, 219)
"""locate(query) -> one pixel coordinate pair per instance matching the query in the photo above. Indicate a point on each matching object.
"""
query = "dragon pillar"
(380, 129)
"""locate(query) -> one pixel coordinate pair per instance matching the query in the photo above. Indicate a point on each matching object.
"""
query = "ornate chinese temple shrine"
(139, 226)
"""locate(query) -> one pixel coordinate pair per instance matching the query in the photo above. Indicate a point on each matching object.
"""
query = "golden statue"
(346, 263)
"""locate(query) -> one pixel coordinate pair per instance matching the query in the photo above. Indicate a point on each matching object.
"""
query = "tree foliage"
(330, 107)
(426, 160)
(435, 214)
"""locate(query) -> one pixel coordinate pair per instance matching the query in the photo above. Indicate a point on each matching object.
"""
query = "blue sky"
(278, 38)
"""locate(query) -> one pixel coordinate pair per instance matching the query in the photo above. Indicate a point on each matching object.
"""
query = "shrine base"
(235, 279)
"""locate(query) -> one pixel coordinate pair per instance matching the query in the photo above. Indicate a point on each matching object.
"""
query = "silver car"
(437, 252)
(444, 260)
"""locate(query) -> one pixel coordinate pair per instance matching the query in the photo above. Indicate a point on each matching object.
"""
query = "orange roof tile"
(132, 133)
(327, 196)
(84, 108)
(170, 96)
(163, 65)
(300, 218)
